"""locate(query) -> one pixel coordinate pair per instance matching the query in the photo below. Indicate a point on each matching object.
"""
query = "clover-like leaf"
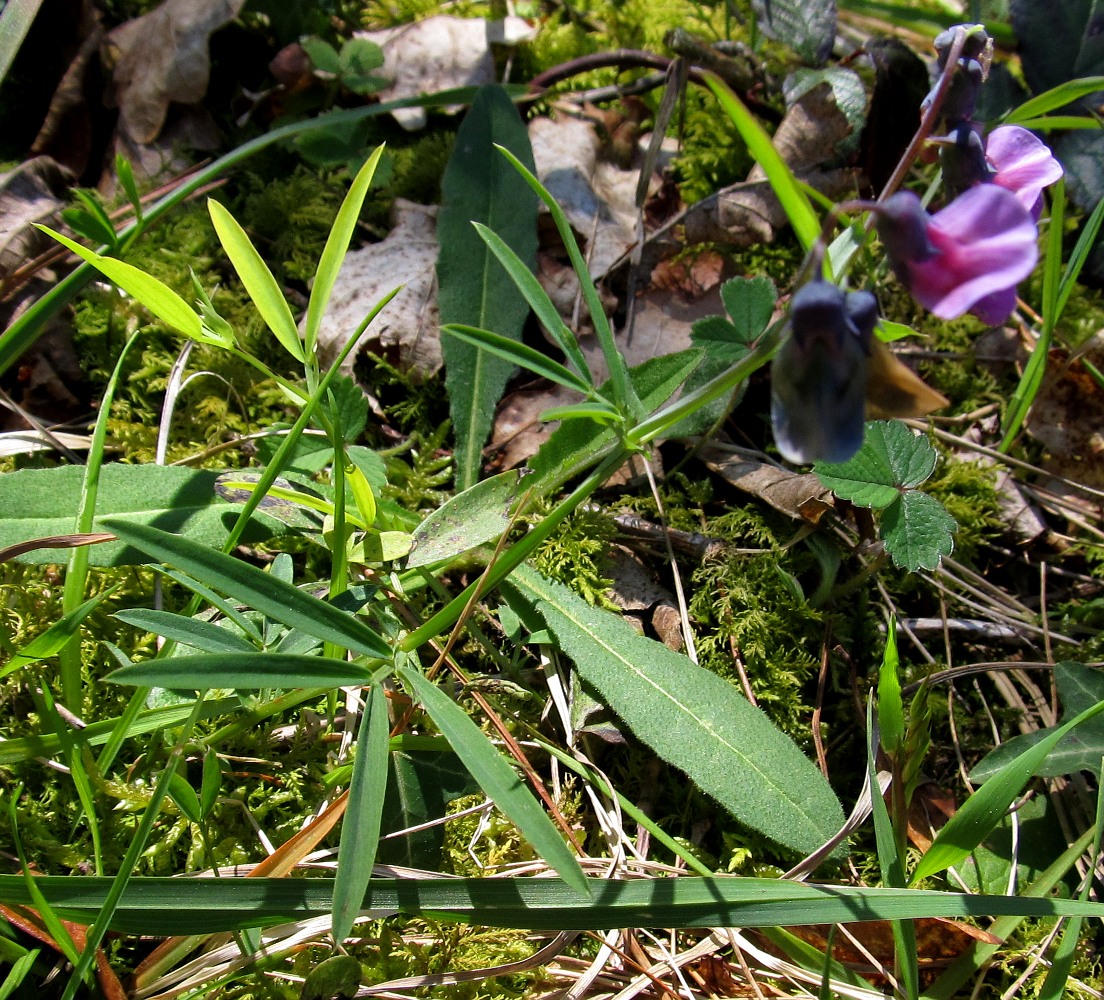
(917, 531)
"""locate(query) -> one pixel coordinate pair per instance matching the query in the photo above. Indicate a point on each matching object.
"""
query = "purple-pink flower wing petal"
(987, 244)
(1023, 163)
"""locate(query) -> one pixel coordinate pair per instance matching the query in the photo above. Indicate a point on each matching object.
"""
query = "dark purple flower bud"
(818, 376)
(968, 257)
(1023, 164)
(962, 156)
(977, 44)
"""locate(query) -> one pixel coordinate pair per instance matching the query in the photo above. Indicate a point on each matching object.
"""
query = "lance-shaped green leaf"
(517, 353)
(336, 245)
(497, 778)
(981, 812)
(474, 288)
(691, 718)
(257, 279)
(273, 597)
(360, 829)
(49, 642)
(190, 631)
(155, 295)
(243, 671)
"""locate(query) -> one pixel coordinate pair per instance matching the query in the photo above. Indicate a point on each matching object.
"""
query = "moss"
(576, 555)
(968, 491)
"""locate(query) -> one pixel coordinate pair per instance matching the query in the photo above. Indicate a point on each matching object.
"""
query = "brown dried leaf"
(406, 331)
(162, 58)
(440, 53)
(796, 495)
(31, 192)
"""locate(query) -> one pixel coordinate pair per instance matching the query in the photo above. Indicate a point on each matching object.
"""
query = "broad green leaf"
(473, 288)
(1079, 688)
(166, 906)
(322, 54)
(359, 57)
(156, 296)
(257, 279)
(534, 293)
(806, 26)
(337, 243)
(749, 303)
(517, 353)
(891, 459)
(1058, 42)
(917, 531)
(48, 642)
(497, 778)
(242, 671)
(793, 200)
(188, 631)
(261, 591)
(360, 829)
(42, 503)
(980, 813)
(691, 718)
(1056, 97)
(480, 514)
(420, 785)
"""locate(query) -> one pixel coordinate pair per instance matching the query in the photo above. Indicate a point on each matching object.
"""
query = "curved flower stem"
(931, 116)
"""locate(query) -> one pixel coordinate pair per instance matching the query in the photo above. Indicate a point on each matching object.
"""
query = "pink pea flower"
(1022, 163)
(968, 257)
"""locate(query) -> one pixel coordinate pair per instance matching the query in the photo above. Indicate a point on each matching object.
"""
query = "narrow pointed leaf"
(497, 778)
(517, 353)
(189, 631)
(361, 827)
(156, 296)
(272, 597)
(257, 279)
(336, 246)
(243, 671)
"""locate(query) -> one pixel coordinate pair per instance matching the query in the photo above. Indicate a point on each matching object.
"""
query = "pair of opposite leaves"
(831, 374)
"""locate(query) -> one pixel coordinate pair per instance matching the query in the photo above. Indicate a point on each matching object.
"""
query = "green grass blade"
(17, 972)
(981, 812)
(281, 671)
(519, 354)
(257, 279)
(794, 202)
(537, 297)
(166, 906)
(272, 597)
(155, 295)
(497, 778)
(1080, 253)
(360, 829)
(189, 631)
(337, 244)
(1056, 97)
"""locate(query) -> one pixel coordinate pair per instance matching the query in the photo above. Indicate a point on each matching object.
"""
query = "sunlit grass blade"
(519, 354)
(534, 293)
(794, 202)
(981, 812)
(281, 671)
(155, 295)
(257, 279)
(272, 597)
(188, 631)
(167, 906)
(497, 778)
(1056, 97)
(360, 829)
(337, 243)
(1085, 241)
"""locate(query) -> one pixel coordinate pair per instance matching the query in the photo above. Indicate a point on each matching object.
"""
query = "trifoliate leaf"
(917, 531)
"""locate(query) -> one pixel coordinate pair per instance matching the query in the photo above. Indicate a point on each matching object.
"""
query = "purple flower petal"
(984, 244)
(1023, 163)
